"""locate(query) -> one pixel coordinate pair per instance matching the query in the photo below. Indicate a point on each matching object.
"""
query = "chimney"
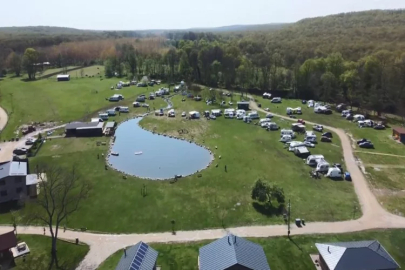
(328, 250)
(125, 252)
(229, 241)
(234, 242)
(379, 245)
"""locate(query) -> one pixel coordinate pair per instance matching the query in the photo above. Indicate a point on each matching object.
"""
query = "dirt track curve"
(374, 217)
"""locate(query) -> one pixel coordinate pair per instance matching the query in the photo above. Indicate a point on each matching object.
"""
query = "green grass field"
(54, 70)
(250, 152)
(380, 159)
(49, 100)
(381, 138)
(69, 255)
(281, 253)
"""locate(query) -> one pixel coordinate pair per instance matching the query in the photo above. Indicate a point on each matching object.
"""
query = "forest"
(357, 58)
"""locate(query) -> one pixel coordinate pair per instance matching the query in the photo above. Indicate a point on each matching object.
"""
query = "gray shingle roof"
(13, 168)
(232, 250)
(148, 262)
(365, 255)
(75, 125)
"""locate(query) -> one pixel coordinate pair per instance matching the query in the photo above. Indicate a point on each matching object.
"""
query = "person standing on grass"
(226, 170)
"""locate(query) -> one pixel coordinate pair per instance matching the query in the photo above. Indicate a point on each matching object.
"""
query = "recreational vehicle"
(216, 112)
(140, 99)
(358, 117)
(103, 116)
(334, 173)
(285, 138)
(123, 109)
(313, 160)
(171, 113)
(254, 115)
(287, 132)
(322, 166)
(116, 97)
(272, 126)
(111, 112)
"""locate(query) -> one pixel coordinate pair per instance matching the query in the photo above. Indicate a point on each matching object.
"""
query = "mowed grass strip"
(281, 252)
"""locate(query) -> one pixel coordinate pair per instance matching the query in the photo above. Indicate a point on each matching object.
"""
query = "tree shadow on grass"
(268, 210)
(9, 206)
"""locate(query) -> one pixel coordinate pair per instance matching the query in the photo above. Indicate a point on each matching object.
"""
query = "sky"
(174, 14)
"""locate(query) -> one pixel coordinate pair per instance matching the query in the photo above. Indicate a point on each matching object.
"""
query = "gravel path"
(374, 217)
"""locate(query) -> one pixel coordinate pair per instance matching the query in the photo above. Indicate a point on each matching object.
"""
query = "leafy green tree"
(14, 62)
(108, 68)
(130, 59)
(266, 194)
(30, 58)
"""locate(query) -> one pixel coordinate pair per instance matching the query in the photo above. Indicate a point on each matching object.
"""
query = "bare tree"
(61, 193)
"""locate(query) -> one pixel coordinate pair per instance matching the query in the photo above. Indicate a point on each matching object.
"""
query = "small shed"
(243, 105)
(63, 77)
(399, 134)
(84, 129)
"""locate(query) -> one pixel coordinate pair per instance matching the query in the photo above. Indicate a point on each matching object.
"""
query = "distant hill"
(44, 31)
(242, 28)
(354, 34)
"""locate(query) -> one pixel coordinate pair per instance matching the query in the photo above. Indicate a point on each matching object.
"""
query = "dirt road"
(374, 217)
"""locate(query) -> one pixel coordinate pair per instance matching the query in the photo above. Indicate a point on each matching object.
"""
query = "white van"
(334, 173)
(276, 100)
(289, 110)
(287, 132)
(103, 116)
(310, 103)
(123, 109)
(111, 112)
(313, 160)
(322, 166)
(285, 138)
(358, 117)
(369, 123)
(264, 120)
(254, 115)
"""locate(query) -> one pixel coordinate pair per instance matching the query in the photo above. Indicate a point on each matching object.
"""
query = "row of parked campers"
(290, 110)
(113, 112)
(318, 161)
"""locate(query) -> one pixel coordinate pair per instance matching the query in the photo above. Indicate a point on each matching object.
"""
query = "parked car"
(318, 128)
(362, 141)
(379, 127)
(183, 114)
(366, 145)
(30, 141)
(293, 116)
(213, 117)
(326, 139)
(269, 115)
(303, 101)
(309, 144)
(20, 151)
(327, 134)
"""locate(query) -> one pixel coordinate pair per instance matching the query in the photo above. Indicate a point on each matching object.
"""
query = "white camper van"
(358, 117)
(216, 112)
(287, 132)
(286, 138)
(123, 109)
(334, 173)
(254, 115)
(322, 166)
(103, 116)
(116, 97)
(310, 103)
(311, 138)
(313, 160)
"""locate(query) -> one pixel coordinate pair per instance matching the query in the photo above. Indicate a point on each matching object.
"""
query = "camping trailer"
(313, 160)
(288, 132)
(216, 112)
(301, 151)
(116, 97)
(311, 138)
(272, 126)
(194, 115)
(254, 115)
(334, 173)
(285, 138)
(358, 117)
(322, 166)
(103, 116)
(295, 144)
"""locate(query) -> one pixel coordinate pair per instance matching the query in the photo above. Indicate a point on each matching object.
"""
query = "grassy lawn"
(380, 159)
(281, 253)
(49, 100)
(250, 152)
(69, 255)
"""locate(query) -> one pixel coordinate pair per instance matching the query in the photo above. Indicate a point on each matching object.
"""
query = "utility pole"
(288, 217)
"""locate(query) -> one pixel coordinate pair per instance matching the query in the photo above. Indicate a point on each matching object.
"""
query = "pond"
(146, 155)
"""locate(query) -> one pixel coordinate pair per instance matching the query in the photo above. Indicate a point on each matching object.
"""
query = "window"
(17, 180)
(2, 182)
(19, 190)
(3, 193)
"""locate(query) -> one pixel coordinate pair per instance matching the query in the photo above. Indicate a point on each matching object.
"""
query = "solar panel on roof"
(139, 258)
(141, 252)
(144, 245)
